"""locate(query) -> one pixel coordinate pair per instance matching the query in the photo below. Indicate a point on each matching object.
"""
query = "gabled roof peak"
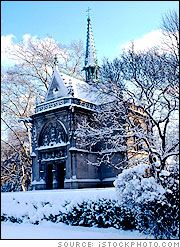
(57, 87)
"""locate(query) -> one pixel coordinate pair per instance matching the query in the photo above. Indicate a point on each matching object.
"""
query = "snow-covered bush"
(102, 213)
(170, 181)
(134, 187)
(154, 201)
(37, 206)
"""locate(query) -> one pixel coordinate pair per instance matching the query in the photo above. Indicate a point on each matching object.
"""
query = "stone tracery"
(52, 134)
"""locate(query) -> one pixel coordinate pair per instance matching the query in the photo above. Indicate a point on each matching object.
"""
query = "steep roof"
(56, 88)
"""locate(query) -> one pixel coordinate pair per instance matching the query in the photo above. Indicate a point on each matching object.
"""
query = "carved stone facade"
(58, 161)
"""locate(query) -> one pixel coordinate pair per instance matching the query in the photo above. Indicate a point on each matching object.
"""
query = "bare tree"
(72, 59)
(150, 76)
(20, 83)
(17, 103)
(170, 30)
(15, 162)
(144, 86)
(36, 58)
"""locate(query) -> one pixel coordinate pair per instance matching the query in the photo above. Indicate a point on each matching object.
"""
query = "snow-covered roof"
(63, 85)
(81, 89)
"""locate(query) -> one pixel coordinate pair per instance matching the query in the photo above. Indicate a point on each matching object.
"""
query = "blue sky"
(113, 22)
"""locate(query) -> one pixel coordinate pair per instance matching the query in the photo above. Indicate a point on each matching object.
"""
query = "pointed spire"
(91, 66)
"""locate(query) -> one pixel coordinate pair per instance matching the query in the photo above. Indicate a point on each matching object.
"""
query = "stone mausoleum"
(57, 160)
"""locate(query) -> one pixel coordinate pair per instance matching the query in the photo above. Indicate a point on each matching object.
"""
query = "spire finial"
(88, 12)
(55, 60)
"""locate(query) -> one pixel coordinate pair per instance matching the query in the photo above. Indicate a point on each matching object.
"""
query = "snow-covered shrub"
(153, 201)
(12, 219)
(102, 213)
(35, 207)
(32, 212)
(159, 219)
(170, 181)
(134, 187)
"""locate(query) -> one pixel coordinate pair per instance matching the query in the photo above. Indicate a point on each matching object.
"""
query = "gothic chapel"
(57, 160)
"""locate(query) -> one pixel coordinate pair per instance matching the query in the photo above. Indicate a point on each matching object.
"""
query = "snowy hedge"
(154, 201)
(85, 207)
(142, 202)
(101, 213)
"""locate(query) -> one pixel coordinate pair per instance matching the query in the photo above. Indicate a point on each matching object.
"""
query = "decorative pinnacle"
(88, 12)
(55, 60)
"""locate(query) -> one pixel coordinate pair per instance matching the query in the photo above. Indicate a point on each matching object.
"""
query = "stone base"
(88, 183)
(76, 184)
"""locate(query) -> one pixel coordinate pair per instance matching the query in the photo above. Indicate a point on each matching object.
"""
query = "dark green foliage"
(54, 218)
(158, 219)
(103, 213)
(36, 222)
(12, 219)
(4, 217)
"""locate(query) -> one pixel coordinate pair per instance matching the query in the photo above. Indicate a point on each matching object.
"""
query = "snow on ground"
(33, 204)
(49, 230)
(63, 194)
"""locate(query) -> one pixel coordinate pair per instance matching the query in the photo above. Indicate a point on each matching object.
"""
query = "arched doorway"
(52, 153)
(54, 174)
